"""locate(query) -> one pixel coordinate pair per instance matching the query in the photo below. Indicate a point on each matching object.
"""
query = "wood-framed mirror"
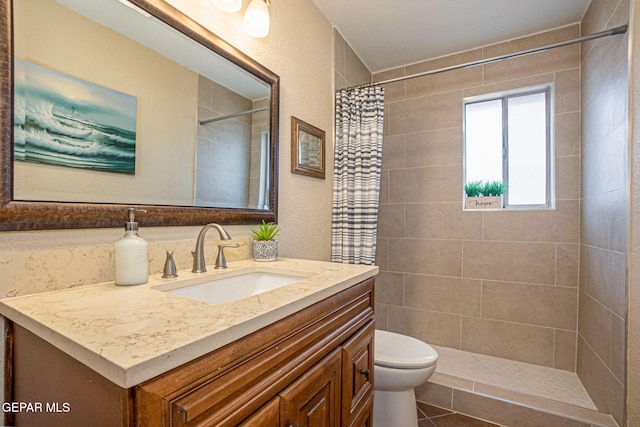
(45, 203)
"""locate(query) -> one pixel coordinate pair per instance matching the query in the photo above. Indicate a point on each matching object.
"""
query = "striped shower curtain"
(356, 175)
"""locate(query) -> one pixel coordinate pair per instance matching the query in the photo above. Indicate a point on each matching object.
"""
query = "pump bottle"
(132, 262)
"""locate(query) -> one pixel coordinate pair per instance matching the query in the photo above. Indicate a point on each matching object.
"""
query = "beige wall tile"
(425, 113)
(392, 91)
(604, 389)
(534, 41)
(507, 261)
(564, 350)
(598, 176)
(538, 63)
(382, 253)
(505, 412)
(445, 61)
(391, 220)
(551, 306)
(431, 184)
(567, 90)
(389, 288)
(384, 187)
(355, 71)
(567, 265)
(518, 83)
(339, 49)
(618, 348)
(567, 178)
(444, 294)
(594, 326)
(558, 225)
(431, 327)
(421, 256)
(610, 209)
(567, 134)
(444, 82)
(382, 316)
(442, 221)
(531, 344)
(597, 16)
(434, 394)
(394, 152)
(606, 278)
(439, 147)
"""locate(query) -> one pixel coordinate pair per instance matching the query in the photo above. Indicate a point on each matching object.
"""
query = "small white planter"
(490, 202)
(265, 250)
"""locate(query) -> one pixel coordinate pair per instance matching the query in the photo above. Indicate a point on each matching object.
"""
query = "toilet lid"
(400, 351)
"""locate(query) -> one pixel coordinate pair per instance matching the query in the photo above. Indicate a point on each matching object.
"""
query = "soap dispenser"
(132, 262)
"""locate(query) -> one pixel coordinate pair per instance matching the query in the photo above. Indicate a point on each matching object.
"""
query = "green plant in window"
(484, 189)
(473, 189)
(493, 188)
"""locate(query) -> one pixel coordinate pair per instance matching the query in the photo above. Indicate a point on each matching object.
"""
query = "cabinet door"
(267, 416)
(313, 400)
(357, 373)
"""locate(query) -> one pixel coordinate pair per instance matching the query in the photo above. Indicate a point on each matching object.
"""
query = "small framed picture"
(307, 149)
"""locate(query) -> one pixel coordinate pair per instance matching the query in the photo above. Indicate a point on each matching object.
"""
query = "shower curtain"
(356, 175)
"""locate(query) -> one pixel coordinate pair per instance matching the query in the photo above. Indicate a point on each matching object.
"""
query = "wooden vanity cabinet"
(312, 368)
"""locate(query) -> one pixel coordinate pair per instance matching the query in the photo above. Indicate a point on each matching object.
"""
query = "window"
(507, 138)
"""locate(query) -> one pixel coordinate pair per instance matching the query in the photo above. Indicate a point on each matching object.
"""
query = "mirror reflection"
(113, 106)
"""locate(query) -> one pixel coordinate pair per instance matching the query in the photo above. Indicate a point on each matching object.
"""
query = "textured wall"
(603, 251)
(501, 283)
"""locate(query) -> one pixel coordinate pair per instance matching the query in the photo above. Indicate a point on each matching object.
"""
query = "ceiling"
(390, 33)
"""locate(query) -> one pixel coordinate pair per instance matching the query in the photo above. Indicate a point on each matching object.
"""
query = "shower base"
(508, 392)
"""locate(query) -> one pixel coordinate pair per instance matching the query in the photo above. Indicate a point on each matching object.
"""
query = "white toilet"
(401, 363)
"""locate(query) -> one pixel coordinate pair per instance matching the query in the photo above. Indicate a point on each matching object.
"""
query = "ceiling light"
(256, 19)
(228, 5)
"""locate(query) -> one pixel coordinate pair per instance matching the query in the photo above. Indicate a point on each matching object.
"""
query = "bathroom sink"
(230, 289)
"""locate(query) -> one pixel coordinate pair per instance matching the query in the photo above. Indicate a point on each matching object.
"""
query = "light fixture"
(228, 5)
(256, 19)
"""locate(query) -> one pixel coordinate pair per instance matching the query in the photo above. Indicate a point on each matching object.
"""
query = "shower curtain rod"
(229, 116)
(613, 31)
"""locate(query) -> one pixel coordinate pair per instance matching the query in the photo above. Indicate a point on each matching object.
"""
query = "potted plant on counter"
(484, 195)
(265, 247)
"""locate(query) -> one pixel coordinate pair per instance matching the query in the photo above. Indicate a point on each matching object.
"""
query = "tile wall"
(348, 68)
(500, 283)
(603, 277)
(223, 155)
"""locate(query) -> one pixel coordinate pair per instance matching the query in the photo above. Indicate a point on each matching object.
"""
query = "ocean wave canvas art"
(64, 121)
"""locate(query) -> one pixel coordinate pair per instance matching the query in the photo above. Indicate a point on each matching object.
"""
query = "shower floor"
(547, 391)
(521, 377)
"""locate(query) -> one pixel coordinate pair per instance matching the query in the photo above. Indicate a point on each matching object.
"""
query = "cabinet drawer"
(268, 415)
(357, 371)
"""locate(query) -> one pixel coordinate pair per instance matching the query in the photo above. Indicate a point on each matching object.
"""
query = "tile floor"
(431, 416)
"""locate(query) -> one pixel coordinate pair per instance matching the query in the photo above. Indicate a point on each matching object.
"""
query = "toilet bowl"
(401, 363)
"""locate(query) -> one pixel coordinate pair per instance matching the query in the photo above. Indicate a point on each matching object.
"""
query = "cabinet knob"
(291, 425)
(365, 372)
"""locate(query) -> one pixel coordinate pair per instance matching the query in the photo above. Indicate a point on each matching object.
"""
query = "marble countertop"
(130, 334)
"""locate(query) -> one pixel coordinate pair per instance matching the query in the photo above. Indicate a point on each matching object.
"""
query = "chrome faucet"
(199, 264)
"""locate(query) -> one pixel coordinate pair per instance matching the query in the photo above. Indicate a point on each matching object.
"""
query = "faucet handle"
(170, 270)
(221, 260)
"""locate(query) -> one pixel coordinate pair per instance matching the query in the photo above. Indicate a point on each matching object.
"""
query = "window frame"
(504, 97)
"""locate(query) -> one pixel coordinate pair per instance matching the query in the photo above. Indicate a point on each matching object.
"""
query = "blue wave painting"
(64, 121)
